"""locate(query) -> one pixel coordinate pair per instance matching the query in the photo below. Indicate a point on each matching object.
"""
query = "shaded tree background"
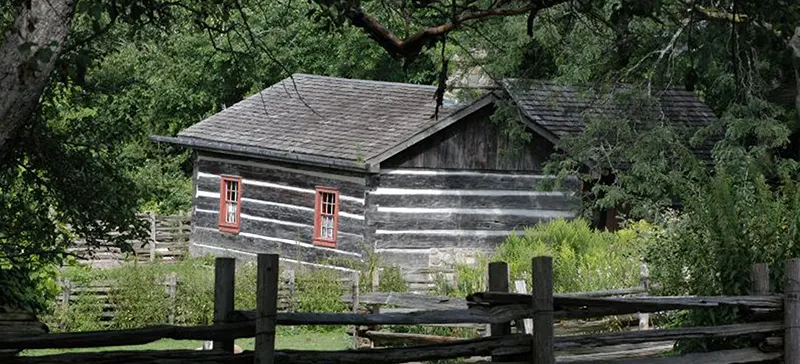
(79, 102)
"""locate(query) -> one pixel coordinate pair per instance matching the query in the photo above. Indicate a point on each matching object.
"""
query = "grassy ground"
(336, 340)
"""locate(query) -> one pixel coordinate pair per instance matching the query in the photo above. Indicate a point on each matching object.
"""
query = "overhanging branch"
(413, 45)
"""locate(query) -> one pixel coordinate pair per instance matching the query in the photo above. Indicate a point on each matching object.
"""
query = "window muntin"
(230, 204)
(326, 216)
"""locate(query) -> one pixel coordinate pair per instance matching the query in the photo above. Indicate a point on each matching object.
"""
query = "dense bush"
(245, 286)
(726, 225)
(390, 278)
(320, 290)
(140, 299)
(584, 259)
(709, 247)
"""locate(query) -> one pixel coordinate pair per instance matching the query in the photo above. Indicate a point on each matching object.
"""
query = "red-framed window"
(326, 216)
(230, 204)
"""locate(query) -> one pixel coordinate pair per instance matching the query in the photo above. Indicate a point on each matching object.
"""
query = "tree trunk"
(27, 58)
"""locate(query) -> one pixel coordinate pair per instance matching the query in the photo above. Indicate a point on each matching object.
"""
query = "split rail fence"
(100, 293)
(392, 302)
(168, 241)
(771, 323)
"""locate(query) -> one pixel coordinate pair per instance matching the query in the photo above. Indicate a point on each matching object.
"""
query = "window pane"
(231, 190)
(230, 216)
(327, 227)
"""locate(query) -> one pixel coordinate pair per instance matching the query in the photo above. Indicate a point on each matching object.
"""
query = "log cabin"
(323, 169)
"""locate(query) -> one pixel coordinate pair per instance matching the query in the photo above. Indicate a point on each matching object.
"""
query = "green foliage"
(636, 162)
(246, 286)
(391, 280)
(44, 181)
(139, 298)
(517, 135)
(727, 225)
(320, 291)
(583, 259)
(194, 302)
(27, 286)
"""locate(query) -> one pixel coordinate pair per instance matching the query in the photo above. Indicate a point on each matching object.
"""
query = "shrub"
(245, 286)
(584, 259)
(391, 280)
(83, 311)
(194, 301)
(139, 297)
(319, 290)
(727, 225)
(390, 277)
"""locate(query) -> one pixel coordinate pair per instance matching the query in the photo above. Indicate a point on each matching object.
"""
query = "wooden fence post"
(172, 292)
(152, 237)
(760, 279)
(527, 324)
(791, 313)
(291, 291)
(644, 318)
(376, 279)
(66, 292)
(224, 274)
(266, 308)
(355, 308)
(498, 282)
(543, 311)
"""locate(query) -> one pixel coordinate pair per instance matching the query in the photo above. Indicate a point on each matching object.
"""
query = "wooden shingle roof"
(563, 110)
(336, 118)
(356, 124)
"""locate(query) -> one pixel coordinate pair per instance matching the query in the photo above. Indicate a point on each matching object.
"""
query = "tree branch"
(413, 45)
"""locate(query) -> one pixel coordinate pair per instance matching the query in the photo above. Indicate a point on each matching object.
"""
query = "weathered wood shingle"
(324, 116)
(563, 110)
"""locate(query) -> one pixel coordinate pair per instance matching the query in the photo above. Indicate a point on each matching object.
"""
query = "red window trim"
(223, 207)
(318, 239)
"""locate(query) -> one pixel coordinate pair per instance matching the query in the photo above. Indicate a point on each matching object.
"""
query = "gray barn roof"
(562, 110)
(337, 118)
(345, 123)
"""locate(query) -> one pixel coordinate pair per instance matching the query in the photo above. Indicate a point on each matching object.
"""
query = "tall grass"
(584, 259)
(139, 296)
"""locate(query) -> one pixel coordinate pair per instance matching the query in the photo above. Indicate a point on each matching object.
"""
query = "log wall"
(473, 143)
(277, 211)
(425, 219)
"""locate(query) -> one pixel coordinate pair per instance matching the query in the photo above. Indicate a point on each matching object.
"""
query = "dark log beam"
(663, 303)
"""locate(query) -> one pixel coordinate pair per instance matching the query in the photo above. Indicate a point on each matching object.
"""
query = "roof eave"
(263, 153)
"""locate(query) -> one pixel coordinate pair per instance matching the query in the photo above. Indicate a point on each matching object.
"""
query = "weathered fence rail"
(499, 309)
(100, 293)
(167, 241)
